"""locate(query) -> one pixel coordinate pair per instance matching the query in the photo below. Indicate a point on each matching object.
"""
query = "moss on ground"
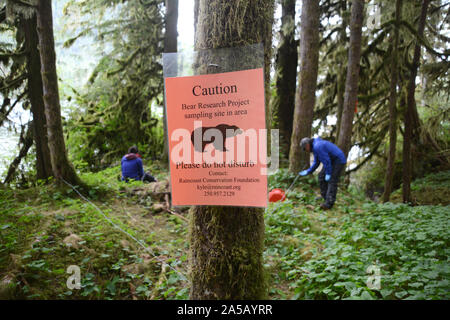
(433, 189)
(45, 229)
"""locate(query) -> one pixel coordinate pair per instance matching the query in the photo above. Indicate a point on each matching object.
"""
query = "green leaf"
(421, 236)
(366, 296)
(401, 294)
(111, 286)
(59, 217)
(385, 292)
(431, 274)
(326, 291)
(416, 284)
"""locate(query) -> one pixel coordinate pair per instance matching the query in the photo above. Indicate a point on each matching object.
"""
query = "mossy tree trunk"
(43, 162)
(393, 105)
(341, 65)
(309, 65)
(61, 167)
(410, 115)
(283, 104)
(226, 243)
(351, 83)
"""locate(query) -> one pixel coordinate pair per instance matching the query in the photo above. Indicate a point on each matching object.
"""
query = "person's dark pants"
(328, 190)
(145, 178)
(148, 178)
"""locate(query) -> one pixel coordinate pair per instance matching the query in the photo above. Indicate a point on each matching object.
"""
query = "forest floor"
(357, 250)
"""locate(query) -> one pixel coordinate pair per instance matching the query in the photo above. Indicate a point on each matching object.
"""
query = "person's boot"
(324, 206)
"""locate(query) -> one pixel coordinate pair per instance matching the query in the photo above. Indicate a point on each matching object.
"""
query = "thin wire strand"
(125, 232)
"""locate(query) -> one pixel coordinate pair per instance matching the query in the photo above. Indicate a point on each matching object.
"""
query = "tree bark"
(283, 104)
(226, 243)
(351, 83)
(43, 162)
(309, 65)
(170, 45)
(341, 75)
(196, 6)
(393, 105)
(61, 167)
(171, 35)
(410, 115)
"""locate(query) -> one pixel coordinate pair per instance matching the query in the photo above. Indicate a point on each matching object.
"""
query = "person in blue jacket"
(132, 167)
(333, 161)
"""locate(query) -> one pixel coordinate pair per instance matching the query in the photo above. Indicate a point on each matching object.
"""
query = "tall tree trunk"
(393, 105)
(307, 83)
(341, 73)
(61, 167)
(171, 35)
(351, 83)
(170, 45)
(226, 243)
(43, 162)
(196, 6)
(410, 115)
(283, 104)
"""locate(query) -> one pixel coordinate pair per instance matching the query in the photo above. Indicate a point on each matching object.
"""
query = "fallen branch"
(176, 214)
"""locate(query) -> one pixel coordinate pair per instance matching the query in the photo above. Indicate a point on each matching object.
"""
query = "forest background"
(371, 76)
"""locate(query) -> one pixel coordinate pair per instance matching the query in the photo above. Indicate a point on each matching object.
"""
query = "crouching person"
(333, 161)
(132, 167)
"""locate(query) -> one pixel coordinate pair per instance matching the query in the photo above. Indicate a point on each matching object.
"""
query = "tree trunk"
(309, 65)
(410, 116)
(171, 35)
(393, 106)
(226, 243)
(351, 83)
(283, 104)
(341, 73)
(196, 6)
(170, 45)
(26, 140)
(61, 167)
(43, 162)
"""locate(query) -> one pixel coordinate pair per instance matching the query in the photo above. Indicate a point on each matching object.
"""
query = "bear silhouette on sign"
(226, 130)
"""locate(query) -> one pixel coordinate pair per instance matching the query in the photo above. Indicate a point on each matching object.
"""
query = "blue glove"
(303, 173)
(327, 177)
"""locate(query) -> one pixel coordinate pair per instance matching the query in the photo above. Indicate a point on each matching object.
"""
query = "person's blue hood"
(130, 156)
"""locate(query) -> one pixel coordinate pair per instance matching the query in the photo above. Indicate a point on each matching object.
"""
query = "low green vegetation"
(310, 253)
(44, 230)
(432, 189)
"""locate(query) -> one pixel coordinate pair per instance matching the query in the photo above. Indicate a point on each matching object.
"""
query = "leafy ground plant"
(309, 253)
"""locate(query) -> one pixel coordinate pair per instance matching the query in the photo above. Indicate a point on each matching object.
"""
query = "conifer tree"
(307, 83)
(61, 167)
